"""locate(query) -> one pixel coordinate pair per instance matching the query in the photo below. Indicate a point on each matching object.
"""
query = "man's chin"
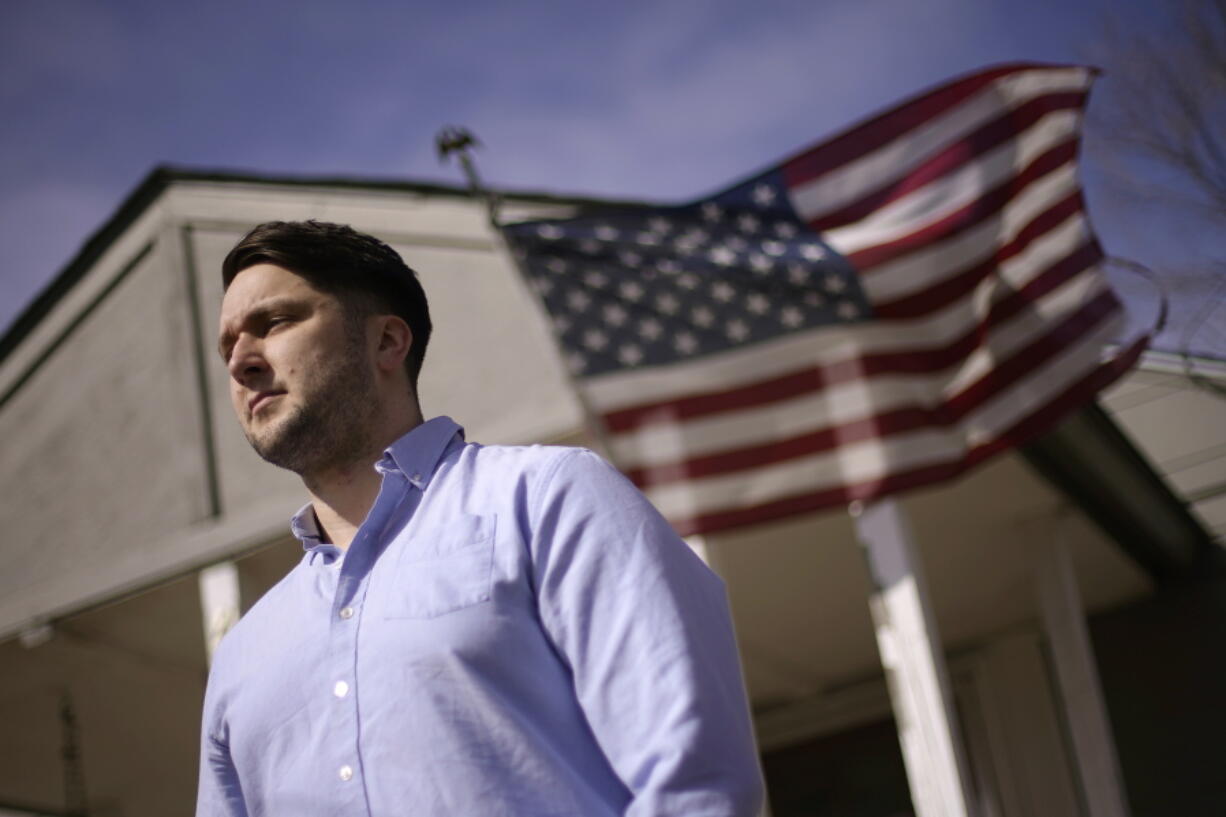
(273, 447)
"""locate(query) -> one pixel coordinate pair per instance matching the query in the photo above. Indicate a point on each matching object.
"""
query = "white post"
(914, 663)
(1085, 711)
(219, 603)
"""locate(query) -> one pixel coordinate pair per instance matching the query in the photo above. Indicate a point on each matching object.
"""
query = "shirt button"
(346, 773)
(341, 689)
(346, 612)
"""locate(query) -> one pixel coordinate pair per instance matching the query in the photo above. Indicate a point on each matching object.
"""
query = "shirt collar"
(305, 528)
(415, 455)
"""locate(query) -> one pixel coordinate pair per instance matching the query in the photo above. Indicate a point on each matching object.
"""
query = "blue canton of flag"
(653, 286)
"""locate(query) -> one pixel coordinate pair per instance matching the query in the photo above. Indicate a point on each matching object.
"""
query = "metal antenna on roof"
(454, 140)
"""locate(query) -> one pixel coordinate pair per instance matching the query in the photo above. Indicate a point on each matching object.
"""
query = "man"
(472, 631)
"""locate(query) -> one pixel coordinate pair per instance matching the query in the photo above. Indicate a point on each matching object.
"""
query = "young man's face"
(300, 376)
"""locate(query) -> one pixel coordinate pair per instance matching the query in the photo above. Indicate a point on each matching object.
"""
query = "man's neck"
(343, 495)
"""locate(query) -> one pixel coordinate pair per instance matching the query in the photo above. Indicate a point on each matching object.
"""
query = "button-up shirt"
(512, 631)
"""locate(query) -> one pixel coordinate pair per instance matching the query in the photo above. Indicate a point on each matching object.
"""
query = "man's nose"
(246, 359)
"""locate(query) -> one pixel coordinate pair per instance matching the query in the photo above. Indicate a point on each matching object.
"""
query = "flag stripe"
(1001, 131)
(869, 460)
(858, 243)
(912, 273)
(943, 115)
(952, 289)
(807, 500)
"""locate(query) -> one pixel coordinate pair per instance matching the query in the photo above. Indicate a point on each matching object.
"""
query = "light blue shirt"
(513, 631)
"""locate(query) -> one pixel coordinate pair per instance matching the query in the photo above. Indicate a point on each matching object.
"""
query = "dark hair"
(365, 274)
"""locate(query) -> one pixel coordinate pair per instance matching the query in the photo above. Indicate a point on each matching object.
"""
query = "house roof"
(163, 176)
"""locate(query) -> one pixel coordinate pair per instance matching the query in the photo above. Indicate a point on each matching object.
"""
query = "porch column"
(1081, 695)
(910, 649)
(220, 599)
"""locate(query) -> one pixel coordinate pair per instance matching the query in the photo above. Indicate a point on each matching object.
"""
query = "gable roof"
(163, 176)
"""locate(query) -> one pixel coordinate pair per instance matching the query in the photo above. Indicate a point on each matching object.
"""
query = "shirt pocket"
(447, 572)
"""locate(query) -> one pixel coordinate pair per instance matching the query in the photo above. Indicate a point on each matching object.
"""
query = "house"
(139, 522)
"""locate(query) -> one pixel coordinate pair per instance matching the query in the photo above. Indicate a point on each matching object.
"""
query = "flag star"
(659, 224)
(549, 232)
(589, 246)
(543, 286)
(650, 329)
(760, 263)
(757, 303)
(748, 223)
(647, 239)
(576, 361)
(813, 298)
(737, 243)
(556, 265)
(685, 343)
(847, 310)
(798, 274)
(692, 239)
(595, 279)
(835, 283)
(764, 195)
(606, 232)
(785, 229)
(686, 245)
(630, 355)
(630, 259)
(561, 324)
(578, 300)
(668, 266)
(736, 330)
(712, 211)
(614, 314)
(688, 280)
(668, 303)
(722, 291)
(775, 248)
(631, 290)
(702, 316)
(813, 252)
(722, 255)
(791, 317)
(595, 339)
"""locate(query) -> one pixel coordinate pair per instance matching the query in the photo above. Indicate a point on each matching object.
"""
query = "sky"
(663, 101)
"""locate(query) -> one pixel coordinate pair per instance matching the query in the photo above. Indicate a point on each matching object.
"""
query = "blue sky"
(662, 100)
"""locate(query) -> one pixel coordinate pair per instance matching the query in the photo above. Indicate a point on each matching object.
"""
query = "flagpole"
(460, 142)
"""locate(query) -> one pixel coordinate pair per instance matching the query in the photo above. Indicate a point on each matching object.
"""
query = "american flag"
(881, 311)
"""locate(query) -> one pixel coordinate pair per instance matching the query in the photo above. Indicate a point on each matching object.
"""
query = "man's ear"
(394, 341)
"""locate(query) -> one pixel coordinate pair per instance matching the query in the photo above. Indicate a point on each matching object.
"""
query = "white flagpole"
(914, 663)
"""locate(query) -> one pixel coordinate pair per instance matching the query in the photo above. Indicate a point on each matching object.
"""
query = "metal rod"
(459, 142)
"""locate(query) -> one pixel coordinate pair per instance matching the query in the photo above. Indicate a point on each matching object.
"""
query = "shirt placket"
(348, 611)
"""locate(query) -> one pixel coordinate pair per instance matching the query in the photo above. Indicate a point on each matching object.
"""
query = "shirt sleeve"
(646, 632)
(219, 793)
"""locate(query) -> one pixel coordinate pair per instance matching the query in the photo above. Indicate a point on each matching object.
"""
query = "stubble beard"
(331, 425)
